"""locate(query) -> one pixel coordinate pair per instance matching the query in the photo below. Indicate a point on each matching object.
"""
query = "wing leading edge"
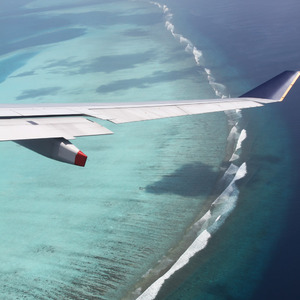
(45, 125)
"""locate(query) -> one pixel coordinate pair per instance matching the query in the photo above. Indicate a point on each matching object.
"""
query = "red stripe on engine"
(80, 159)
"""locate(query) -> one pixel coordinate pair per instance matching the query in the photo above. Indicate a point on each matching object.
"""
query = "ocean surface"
(201, 207)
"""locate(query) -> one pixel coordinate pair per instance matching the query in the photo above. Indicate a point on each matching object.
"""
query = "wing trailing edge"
(55, 127)
(46, 128)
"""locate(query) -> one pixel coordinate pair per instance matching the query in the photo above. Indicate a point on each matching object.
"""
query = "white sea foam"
(226, 201)
(236, 137)
(234, 157)
(242, 137)
(209, 223)
(169, 26)
(165, 8)
(233, 133)
(157, 4)
(234, 115)
(219, 89)
(198, 56)
(190, 48)
(184, 40)
(242, 171)
(230, 171)
(227, 177)
(199, 244)
(202, 221)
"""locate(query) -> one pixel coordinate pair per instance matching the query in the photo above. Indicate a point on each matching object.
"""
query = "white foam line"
(234, 157)
(205, 218)
(242, 137)
(230, 171)
(219, 89)
(227, 200)
(184, 40)
(156, 3)
(208, 71)
(241, 172)
(231, 194)
(199, 244)
(233, 134)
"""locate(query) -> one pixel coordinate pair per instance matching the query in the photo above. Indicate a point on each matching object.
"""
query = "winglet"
(275, 88)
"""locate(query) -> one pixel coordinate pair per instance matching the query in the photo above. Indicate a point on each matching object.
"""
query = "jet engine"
(56, 148)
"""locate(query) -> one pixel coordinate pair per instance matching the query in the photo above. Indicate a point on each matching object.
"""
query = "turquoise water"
(80, 233)
(109, 230)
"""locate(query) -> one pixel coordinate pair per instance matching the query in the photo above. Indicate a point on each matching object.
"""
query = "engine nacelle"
(56, 148)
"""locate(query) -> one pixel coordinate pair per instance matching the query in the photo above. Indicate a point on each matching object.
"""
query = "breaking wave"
(198, 235)
(207, 226)
(219, 89)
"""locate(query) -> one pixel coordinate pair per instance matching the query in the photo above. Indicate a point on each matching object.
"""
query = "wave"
(209, 224)
(235, 140)
(219, 89)
(197, 246)
(242, 137)
(203, 228)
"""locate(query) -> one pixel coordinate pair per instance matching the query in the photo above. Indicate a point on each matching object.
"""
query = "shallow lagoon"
(95, 232)
(68, 232)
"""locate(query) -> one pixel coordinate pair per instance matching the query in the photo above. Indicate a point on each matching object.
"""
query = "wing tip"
(276, 88)
(296, 76)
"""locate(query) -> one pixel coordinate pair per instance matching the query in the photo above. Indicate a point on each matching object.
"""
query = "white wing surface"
(48, 126)
(130, 112)
(42, 128)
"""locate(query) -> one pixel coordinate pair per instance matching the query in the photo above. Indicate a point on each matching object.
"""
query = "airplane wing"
(46, 128)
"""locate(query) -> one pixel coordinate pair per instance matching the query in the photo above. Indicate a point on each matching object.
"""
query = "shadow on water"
(19, 26)
(190, 180)
(106, 63)
(43, 39)
(157, 77)
(136, 33)
(38, 93)
(11, 64)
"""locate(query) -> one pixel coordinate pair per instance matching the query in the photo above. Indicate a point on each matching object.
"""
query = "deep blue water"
(259, 40)
(281, 277)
